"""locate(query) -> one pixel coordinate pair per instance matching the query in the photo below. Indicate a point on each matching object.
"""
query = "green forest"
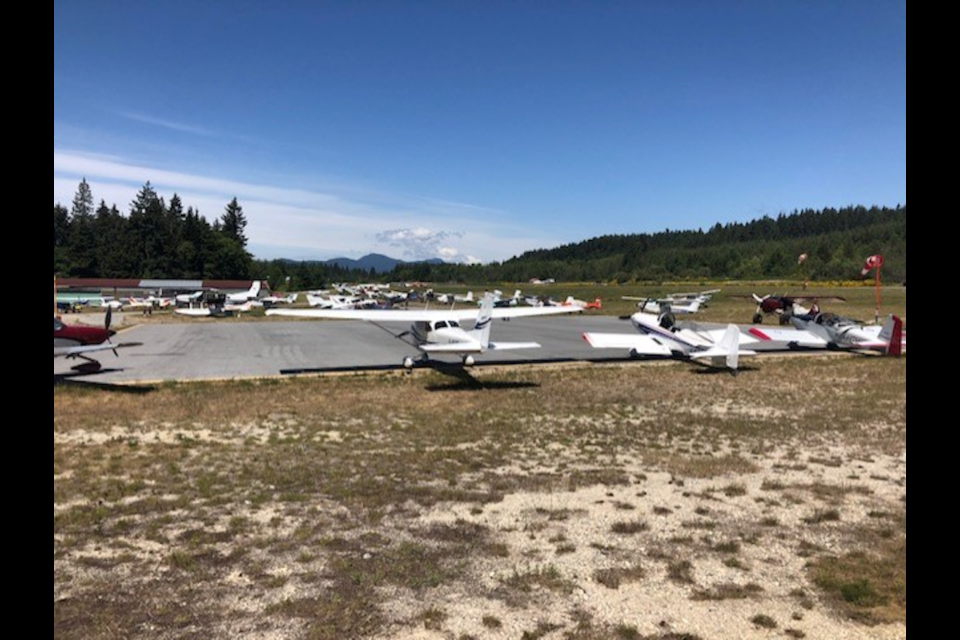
(156, 239)
(160, 239)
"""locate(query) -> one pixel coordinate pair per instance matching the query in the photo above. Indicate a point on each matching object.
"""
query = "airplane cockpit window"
(454, 325)
(440, 325)
(57, 325)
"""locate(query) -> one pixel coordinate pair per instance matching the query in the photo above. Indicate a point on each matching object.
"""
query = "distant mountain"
(375, 261)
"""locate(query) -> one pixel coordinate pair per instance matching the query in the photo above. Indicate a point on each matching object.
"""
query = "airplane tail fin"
(484, 324)
(892, 335)
(727, 352)
(255, 289)
(470, 297)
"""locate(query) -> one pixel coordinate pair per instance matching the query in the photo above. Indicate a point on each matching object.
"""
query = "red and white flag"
(873, 262)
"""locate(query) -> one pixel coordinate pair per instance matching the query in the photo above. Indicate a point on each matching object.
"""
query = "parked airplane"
(788, 306)
(829, 331)
(246, 296)
(653, 306)
(438, 332)
(73, 342)
(583, 305)
(449, 298)
(676, 303)
(272, 301)
(721, 348)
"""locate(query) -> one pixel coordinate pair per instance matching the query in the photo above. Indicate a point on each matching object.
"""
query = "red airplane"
(76, 342)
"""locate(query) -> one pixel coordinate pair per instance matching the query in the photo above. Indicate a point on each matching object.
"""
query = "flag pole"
(877, 319)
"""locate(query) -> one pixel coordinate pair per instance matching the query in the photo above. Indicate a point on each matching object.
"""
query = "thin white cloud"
(167, 124)
(310, 224)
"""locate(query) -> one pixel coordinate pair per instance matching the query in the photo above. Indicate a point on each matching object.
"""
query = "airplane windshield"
(57, 325)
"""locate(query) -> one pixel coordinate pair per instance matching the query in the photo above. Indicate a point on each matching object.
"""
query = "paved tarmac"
(232, 349)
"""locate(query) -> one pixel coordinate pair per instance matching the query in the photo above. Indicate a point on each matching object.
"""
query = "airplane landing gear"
(468, 361)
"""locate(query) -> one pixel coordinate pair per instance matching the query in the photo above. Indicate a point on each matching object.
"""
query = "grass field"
(581, 502)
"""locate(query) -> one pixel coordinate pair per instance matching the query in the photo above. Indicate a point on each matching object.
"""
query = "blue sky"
(478, 130)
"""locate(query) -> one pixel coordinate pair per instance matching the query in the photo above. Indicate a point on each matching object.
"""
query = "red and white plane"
(74, 342)
(829, 331)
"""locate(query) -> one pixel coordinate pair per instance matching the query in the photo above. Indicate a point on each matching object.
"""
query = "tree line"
(156, 239)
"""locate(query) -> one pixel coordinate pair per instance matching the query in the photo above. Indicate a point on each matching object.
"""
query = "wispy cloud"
(179, 127)
(318, 223)
(425, 244)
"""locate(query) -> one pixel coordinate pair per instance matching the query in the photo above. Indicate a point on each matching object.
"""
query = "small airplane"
(245, 296)
(658, 337)
(676, 303)
(113, 304)
(272, 301)
(654, 306)
(500, 302)
(450, 299)
(73, 342)
(438, 332)
(829, 331)
(788, 306)
(583, 305)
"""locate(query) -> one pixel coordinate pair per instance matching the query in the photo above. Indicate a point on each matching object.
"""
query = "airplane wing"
(789, 336)
(635, 343)
(73, 352)
(415, 315)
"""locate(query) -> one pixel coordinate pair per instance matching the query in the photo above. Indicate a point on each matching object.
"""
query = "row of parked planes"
(657, 335)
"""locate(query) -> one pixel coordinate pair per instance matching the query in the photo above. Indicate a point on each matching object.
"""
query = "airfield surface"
(235, 349)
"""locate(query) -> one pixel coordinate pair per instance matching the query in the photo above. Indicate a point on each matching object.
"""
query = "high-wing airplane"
(449, 298)
(438, 332)
(77, 342)
(828, 331)
(659, 339)
(272, 301)
(246, 296)
(654, 306)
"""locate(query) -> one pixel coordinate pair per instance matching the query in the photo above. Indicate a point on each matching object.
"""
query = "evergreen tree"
(233, 223)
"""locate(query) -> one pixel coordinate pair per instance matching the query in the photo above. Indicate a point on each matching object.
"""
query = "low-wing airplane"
(829, 331)
(438, 332)
(583, 305)
(272, 301)
(659, 338)
(73, 342)
(787, 307)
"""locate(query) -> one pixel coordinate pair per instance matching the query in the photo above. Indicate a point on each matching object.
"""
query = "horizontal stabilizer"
(512, 346)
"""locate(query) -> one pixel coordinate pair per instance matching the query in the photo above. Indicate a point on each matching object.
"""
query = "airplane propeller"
(108, 319)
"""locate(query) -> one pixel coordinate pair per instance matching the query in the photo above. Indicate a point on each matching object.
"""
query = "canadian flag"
(873, 262)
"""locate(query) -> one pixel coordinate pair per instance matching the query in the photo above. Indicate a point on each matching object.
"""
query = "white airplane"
(500, 302)
(113, 304)
(721, 348)
(438, 332)
(449, 298)
(272, 301)
(662, 306)
(828, 331)
(340, 303)
(245, 296)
